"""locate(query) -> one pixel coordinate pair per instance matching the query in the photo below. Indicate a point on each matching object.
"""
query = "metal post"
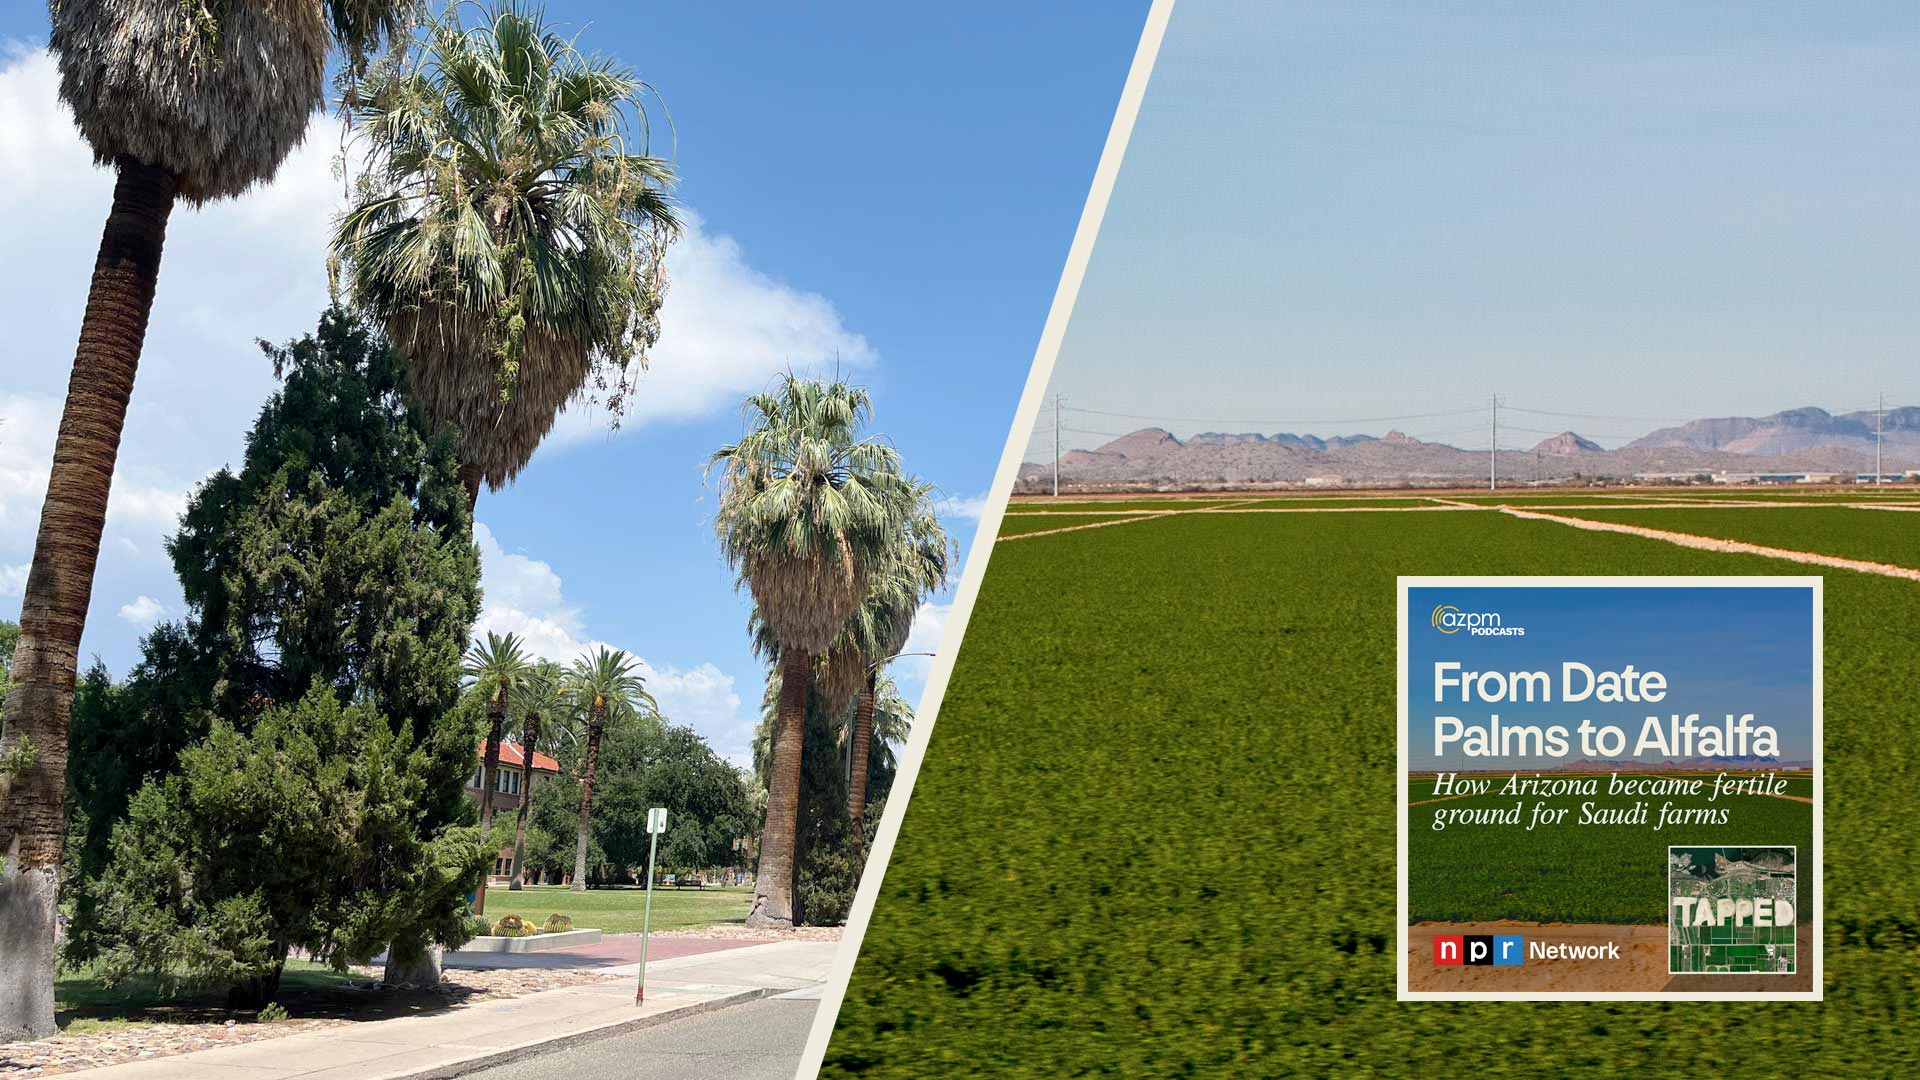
(1056, 446)
(646, 917)
(1493, 452)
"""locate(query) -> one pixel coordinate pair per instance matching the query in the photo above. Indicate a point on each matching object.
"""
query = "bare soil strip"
(1447, 798)
(1083, 513)
(1329, 509)
(1782, 795)
(1093, 525)
(1642, 965)
(1708, 543)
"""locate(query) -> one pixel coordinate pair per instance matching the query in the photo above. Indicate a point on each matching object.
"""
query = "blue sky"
(1333, 217)
(885, 189)
(1742, 649)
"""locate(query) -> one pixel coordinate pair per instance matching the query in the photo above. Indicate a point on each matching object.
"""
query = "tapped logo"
(1451, 620)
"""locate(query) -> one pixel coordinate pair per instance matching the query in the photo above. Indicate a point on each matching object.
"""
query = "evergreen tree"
(309, 832)
(339, 553)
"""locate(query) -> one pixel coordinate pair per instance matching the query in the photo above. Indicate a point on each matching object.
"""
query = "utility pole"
(1056, 446)
(1879, 430)
(1493, 450)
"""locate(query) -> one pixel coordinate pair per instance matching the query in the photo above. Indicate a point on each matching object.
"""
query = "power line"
(1277, 423)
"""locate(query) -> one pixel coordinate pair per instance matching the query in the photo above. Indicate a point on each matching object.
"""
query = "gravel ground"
(311, 1012)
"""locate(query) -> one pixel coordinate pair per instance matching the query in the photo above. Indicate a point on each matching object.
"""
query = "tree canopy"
(306, 832)
(337, 555)
(642, 766)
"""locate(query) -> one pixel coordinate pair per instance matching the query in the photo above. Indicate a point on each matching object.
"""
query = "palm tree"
(188, 101)
(916, 566)
(510, 229)
(497, 668)
(806, 509)
(542, 695)
(606, 689)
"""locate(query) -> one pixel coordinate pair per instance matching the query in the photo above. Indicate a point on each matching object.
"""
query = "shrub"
(305, 833)
(478, 926)
(557, 924)
(271, 1013)
(514, 926)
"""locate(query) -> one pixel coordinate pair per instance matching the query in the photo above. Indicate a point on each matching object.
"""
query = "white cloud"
(146, 508)
(524, 596)
(13, 580)
(727, 330)
(924, 637)
(963, 507)
(143, 612)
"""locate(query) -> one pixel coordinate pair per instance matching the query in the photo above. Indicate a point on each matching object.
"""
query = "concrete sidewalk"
(460, 1039)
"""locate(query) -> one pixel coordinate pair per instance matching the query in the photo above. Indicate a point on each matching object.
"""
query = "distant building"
(513, 782)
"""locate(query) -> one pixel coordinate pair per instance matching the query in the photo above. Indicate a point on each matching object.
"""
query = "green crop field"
(1887, 536)
(1302, 503)
(1098, 505)
(1562, 498)
(1026, 523)
(1154, 833)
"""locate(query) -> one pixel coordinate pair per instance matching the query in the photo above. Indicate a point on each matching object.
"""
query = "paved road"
(760, 1040)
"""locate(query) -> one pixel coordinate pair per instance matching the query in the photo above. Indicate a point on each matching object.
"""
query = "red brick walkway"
(610, 951)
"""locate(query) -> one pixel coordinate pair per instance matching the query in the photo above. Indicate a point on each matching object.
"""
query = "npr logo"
(1479, 950)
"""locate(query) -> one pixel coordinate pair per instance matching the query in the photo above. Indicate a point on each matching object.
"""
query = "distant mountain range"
(1747, 763)
(1797, 440)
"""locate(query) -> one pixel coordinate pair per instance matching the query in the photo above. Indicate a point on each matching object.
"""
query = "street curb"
(489, 1060)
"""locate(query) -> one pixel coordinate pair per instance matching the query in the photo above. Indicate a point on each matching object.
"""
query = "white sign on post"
(657, 820)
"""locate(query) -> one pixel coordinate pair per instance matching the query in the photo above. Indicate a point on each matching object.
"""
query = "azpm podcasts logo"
(1451, 620)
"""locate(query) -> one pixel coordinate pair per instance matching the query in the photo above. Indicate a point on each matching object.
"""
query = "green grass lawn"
(1155, 832)
(618, 910)
(87, 1004)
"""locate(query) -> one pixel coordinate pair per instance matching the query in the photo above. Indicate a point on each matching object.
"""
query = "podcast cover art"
(1609, 788)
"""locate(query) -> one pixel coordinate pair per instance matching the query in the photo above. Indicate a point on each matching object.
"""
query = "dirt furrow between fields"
(1329, 509)
(1092, 525)
(1446, 798)
(1782, 795)
(1739, 547)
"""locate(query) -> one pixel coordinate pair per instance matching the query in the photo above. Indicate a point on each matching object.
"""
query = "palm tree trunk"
(490, 769)
(470, 478)
(594, 724)
(773, 882)
(489, 773)
(857, 783)
(53, 611)
(532, 737)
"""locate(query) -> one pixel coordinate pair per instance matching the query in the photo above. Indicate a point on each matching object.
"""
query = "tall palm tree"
(542, 696)
(497, 667)
(510, 229)
(606, 688)
(188, 101)
(806, 508)
(915, 566)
